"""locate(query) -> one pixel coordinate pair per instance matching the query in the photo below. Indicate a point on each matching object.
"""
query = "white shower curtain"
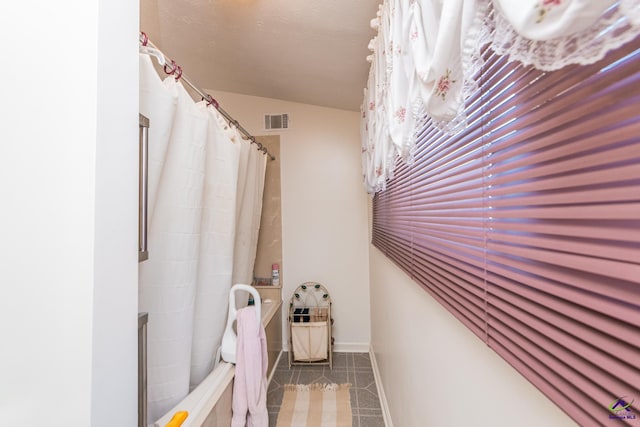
(216, 243)
(159, 106)
(249, 207)
(168, 278)
(194, 169)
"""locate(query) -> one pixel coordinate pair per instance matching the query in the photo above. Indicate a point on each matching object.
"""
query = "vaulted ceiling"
(308, 51)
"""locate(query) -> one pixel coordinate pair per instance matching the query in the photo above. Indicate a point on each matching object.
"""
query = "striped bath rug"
(315, 405)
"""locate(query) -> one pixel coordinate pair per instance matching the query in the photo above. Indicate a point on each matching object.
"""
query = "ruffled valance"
(551, 34)
(426, 57)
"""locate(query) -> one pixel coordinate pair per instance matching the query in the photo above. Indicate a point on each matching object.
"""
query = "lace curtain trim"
(617, 26)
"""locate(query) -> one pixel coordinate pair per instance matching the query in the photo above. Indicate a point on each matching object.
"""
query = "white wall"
(436, 372)
(115, 300)
(68, 219)
(324, 206)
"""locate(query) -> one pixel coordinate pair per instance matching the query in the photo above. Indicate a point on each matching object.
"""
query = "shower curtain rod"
(177, 70)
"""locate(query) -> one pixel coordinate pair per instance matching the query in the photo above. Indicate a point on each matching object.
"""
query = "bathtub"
(209, 404)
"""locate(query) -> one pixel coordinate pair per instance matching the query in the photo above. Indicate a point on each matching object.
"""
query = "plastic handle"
(229, 338)
(256, 298)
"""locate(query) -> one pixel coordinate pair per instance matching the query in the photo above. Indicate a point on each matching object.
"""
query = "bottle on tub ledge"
(275, 275)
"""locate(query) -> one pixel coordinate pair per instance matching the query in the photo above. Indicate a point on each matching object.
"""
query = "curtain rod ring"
(173, 68)
(211, 101)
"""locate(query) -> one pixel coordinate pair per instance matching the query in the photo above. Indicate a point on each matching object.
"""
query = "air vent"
(276, 121)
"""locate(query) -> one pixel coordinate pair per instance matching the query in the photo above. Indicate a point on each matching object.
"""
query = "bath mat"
(315, 405)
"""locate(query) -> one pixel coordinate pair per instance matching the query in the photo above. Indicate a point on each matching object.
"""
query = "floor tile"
(282, 376)
(354, 399)
(338, 377)
(364, 378)
(273, 419)
(351, 368)
(371, 421)
(369, 412)
(361, 360)
(340, 361)
(366, 399)
(284, 361)
(274, 397)
(311, 377)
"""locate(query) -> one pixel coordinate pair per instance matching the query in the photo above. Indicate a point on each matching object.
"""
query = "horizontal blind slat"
(585, 247)
(615, 231)
(611, 211)
(615, 269)
(561, 329)
(567, 364)
(554, 285)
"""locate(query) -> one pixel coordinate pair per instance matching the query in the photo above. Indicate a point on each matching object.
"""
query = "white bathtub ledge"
(200, 402)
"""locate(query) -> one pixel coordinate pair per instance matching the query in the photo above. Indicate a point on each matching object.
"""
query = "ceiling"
(308, 51)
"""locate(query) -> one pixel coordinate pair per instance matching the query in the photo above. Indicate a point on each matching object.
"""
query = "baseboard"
(383, 398)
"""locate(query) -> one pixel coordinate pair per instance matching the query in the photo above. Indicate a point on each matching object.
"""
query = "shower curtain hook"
(174, 66)
(175, 71)
(211, 101)
(144, 38)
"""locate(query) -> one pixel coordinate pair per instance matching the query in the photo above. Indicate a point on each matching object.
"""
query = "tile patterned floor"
(354, 368)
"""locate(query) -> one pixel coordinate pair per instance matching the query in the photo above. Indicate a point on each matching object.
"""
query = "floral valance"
(426, 57)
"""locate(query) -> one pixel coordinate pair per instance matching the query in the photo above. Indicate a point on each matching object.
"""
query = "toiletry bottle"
(275, 275)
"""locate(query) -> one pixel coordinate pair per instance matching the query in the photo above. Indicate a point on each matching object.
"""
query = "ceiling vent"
(276, 121)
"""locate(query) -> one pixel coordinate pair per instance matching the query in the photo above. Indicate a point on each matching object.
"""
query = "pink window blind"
(526, 226)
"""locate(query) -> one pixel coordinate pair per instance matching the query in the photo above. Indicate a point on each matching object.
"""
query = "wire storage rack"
(310, 326)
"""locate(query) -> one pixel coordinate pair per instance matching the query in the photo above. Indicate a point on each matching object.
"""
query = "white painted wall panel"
(68, 224)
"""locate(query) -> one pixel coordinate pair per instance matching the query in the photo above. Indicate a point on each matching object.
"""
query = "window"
(526, 225)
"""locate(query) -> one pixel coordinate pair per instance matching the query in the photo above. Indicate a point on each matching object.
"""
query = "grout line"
(355, 386)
